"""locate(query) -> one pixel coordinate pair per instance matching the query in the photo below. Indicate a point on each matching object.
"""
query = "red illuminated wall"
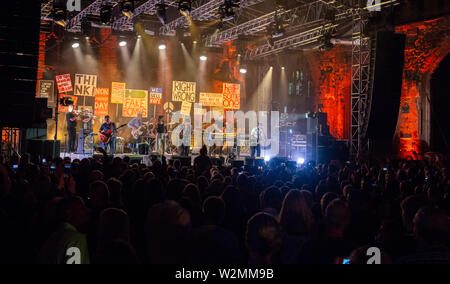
(427, 43)
(331, 77)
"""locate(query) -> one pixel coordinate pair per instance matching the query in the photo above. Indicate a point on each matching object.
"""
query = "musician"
(214, 131)
(87, 119)
(109, 129)
(71, 118)
(161, 131)
(135, 124)
(185, 137)
(256, 136)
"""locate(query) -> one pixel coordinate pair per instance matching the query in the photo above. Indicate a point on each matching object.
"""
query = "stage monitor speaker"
(387, 86)
(249, 161)
(237, 164)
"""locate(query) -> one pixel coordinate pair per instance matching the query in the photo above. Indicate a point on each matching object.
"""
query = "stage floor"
(145, 159)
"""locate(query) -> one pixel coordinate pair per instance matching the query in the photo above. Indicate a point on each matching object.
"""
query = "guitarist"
(108, 130)
(135, 124)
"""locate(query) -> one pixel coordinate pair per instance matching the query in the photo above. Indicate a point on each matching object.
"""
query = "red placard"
(64, 83)
(101, 101)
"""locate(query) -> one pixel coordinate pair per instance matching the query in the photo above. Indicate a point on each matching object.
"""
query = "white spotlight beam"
(203, 12)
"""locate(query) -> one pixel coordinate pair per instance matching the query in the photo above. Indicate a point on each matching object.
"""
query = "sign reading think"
(155, 97)
(186, 108)
(184, 91)
(101, 101)
(211, 99)
(64, 83)
(85, 85)
(117, 92)
(66, 108)
(134, 102)
(231, 96)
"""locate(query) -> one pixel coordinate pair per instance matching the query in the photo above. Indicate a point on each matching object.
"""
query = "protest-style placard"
(117, 92)
(101, 101)
(184, 91)
(85, 85)
(186, 108)
(231, 96)
(155, 96)
(211, 99)
(64, 83)
(135, 102)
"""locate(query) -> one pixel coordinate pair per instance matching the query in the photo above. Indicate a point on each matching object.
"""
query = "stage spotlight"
(75, 43)
(162, 47)
(122, 43)
(105, 14)
(226, 10)
(86, 27)
(283, 68)
(161, 12)
(185, 7)
(60, 16)
(139, 37)
(127, 7)
(203, 58)
(267, 159)
(300, 161)
(243, 71)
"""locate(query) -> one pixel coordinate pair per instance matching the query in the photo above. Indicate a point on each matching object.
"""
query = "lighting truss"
(46, 11)
(204, 12)
(297, 40)
(304, 16)
(149, 7)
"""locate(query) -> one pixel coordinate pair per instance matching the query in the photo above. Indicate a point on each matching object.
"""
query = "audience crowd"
(114, 211)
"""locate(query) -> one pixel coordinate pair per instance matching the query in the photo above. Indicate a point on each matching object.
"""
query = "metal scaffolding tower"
(363, 61)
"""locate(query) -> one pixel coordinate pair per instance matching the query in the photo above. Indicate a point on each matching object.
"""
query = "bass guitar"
(106, 136)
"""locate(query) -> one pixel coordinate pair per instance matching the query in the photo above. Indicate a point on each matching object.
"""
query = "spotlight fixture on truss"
(127, 7)
(326, 43)
(59, 14)
(86, 28)
(226, 10)
(161, 12)
(106, 14)
(185, 7)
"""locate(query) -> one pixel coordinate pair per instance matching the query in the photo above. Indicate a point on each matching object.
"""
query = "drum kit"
(147, 134)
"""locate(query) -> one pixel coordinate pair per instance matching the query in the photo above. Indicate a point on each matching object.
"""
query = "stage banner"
(231, 96)
(64, 83)
(184, 91)
(66, 108)
(155, 97)
(101, 101)
(211, 99)
(117, 92)
(134, 102)
(186, 108)
(85, 85)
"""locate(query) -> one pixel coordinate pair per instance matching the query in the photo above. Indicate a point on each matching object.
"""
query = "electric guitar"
(105, 137)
